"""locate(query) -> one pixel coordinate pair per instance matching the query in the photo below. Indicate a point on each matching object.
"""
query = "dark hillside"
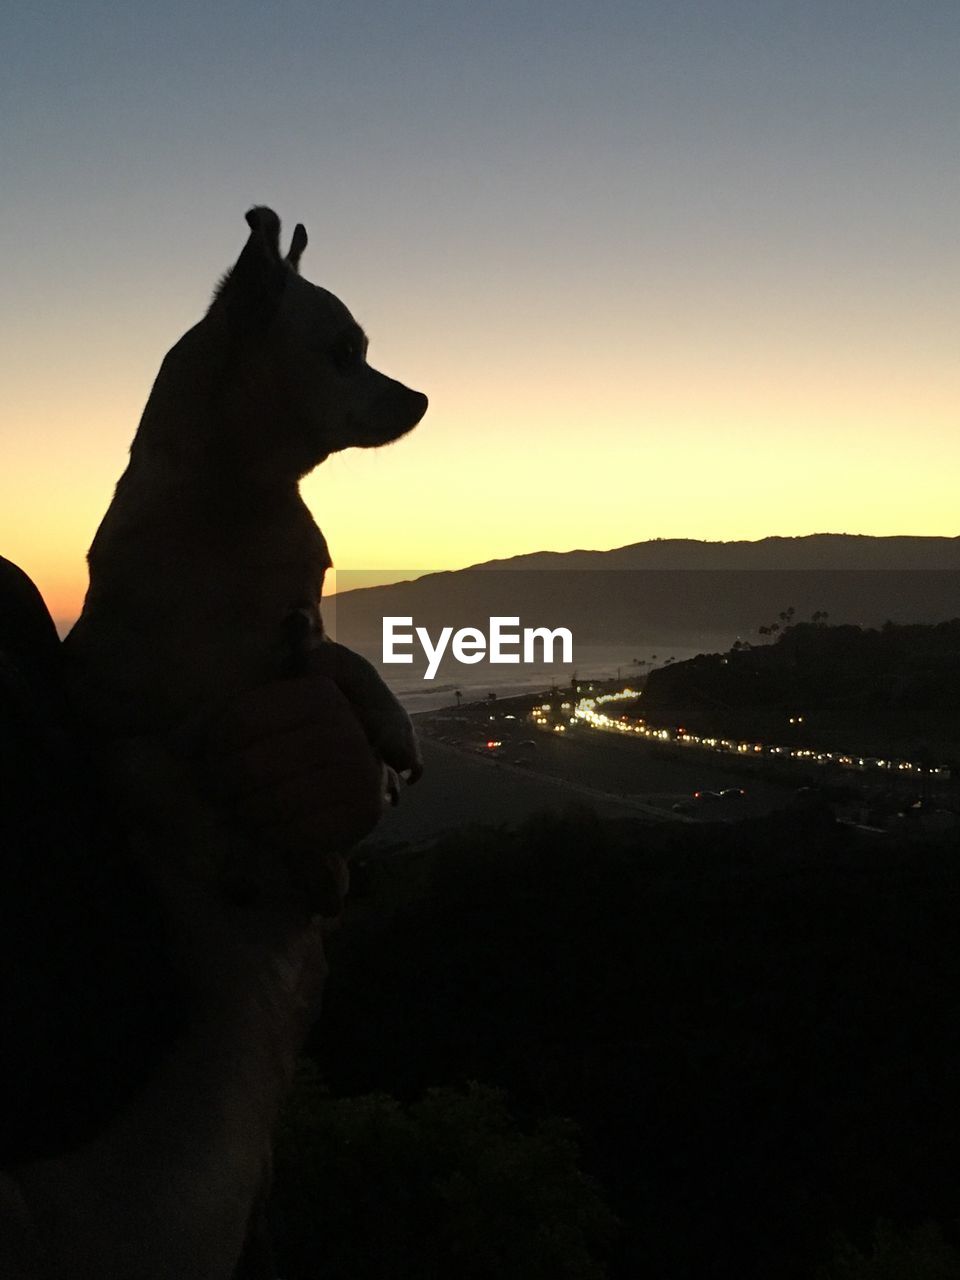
(756, 1028)
(892, 690)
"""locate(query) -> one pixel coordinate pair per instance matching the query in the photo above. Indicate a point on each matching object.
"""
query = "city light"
(587, 712)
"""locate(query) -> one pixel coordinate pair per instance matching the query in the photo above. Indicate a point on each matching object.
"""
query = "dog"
(207, 570)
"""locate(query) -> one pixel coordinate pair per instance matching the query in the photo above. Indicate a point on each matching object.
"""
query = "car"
(696, 801)
(732, 793)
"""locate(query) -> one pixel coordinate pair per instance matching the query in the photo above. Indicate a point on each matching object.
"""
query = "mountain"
(813, 551)
(675, 590)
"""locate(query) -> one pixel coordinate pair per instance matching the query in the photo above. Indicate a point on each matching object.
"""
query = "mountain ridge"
(811, 548)
(677, 587)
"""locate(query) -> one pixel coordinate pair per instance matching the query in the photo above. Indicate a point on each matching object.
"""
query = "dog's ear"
(264, 231)
(251, 291)
(297, 246)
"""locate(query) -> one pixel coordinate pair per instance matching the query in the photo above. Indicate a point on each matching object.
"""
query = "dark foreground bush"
(920, 1254)
(755, 1028)
(449, 1186)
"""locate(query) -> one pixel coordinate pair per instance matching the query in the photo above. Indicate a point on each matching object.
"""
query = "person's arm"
(167, 1188)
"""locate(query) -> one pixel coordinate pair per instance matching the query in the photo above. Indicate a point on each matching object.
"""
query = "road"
(620, 779)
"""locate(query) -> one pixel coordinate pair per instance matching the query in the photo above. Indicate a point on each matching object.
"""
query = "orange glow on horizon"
(719, 428)
(667, 275)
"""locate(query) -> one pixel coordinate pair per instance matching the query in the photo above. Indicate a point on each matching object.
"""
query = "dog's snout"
(407, 407)
(418, 406)
(393, 412)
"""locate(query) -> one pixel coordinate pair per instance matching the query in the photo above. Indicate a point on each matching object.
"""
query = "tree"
(918, 1254)
(450, 1185)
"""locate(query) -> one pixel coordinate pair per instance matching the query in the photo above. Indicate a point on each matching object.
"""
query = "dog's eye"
(347, 353)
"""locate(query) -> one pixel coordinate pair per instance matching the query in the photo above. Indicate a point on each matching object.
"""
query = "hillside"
(888, 691)
(753, 1027)
(680, 590)
(814, 551)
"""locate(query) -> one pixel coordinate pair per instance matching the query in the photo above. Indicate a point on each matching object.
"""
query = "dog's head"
(298, 386)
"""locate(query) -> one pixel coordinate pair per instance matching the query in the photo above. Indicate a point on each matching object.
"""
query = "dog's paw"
(396, 743)
(386, 724)
(391, 785)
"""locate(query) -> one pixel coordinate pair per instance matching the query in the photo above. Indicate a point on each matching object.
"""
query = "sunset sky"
(664, 269)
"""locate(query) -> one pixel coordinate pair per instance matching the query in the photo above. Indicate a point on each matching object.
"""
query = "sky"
(664, 269)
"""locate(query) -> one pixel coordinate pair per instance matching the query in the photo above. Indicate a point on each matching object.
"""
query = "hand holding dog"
(183, 1166)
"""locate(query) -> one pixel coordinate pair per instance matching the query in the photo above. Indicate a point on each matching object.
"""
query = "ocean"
(476, 681)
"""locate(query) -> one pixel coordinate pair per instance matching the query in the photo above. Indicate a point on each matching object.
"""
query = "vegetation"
(451, 1185)
(754, 1029)
(920, 1254)
(894, 690)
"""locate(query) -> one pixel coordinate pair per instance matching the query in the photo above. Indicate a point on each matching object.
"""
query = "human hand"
(385, 721)
(183, 1164)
